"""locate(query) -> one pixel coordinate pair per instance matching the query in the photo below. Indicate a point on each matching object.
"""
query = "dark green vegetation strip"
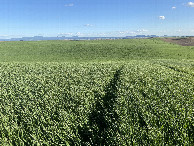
(124, 92)
(103, 125)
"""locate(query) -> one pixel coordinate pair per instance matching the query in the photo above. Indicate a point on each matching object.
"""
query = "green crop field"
(102, 92)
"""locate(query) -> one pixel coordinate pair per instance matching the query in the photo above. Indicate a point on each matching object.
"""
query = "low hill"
(183, 41)
(97, 50)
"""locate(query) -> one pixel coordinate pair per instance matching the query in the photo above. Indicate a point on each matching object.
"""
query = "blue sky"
(95, 17)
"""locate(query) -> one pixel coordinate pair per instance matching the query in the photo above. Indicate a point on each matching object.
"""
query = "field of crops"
(92, 51)
(111, 92)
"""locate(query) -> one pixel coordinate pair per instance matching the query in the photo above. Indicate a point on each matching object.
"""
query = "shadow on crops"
(103, 123)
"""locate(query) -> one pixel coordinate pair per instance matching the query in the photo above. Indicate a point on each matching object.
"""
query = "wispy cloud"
(173, 8)
(179, 30)
(141, 30)
(135, 32)
(123, 32)
(69, 34)
(69, 5)
(190, 4)
(120, 33)
(78, 34)
(65, 34)
(10, 36)
(162, 17)
(88, 25)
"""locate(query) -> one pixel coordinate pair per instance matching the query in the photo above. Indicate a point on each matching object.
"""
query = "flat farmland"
(105, 92)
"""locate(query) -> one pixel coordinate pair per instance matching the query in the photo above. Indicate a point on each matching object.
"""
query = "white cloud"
(119, 33)
(88, 25)
(4, 35)
(68, 34)
(69, 5)
(123, 32)
(65, 34)
(190, 4)
(141, 30)
(173, 8)
(10, 36)
(132, 32)
(162, 17)
(179, 30)
(79, 34)
(135, 32)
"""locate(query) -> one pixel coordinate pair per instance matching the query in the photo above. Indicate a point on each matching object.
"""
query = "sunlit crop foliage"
(99, 101)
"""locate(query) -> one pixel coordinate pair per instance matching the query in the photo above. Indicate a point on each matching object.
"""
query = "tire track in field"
(177, 69)
(103, 124)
